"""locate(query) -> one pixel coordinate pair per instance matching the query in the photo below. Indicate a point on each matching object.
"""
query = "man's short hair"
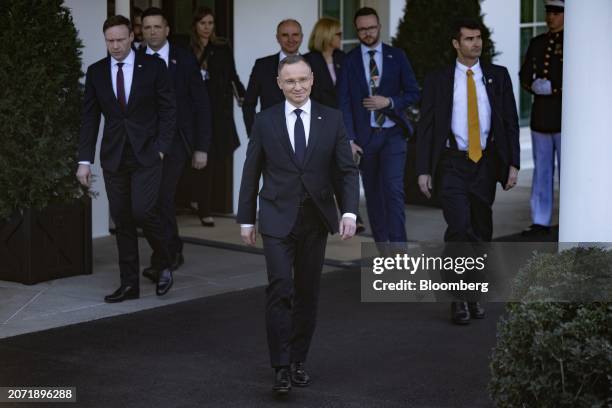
(288, 20)
(470, 23)
(365, 11)
(154, 11)
(117, 20)
(136, 12)
(290, 60)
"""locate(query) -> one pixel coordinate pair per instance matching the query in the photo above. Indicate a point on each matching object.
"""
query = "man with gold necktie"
(467, 140)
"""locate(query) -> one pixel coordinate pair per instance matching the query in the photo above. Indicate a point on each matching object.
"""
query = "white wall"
(503, 17)
(254, 37)
(88, 16)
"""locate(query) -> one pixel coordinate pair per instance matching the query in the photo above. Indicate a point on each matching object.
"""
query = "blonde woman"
(325, 58)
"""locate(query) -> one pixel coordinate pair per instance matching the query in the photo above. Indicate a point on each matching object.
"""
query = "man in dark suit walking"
(295, 145)
(262, 82)
(376, 85)
(193, 127)
(468, 139)
(134, 94)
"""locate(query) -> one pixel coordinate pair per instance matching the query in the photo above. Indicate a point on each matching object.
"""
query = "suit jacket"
(544, 59)
(323, 88)
(434, 126)
(193, 110)
(218, 60)
(263, 86)
(148, 122)
(284, 180)
(397, 82)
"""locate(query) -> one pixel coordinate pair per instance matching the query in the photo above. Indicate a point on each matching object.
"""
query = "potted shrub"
(554, 348)
(45, 217)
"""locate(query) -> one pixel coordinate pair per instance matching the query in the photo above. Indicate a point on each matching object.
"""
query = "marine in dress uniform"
(541, 75)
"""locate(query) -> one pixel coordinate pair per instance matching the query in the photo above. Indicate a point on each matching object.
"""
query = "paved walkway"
(216, 262)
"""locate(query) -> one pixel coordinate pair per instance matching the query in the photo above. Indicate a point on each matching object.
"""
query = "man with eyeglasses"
(262, 85)
(295, 145)
(376, 85)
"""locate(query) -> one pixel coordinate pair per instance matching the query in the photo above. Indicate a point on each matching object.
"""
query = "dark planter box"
(38, 246)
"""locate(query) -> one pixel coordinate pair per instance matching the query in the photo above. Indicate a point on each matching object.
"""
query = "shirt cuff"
(350, 215)
(247, 225)
(391, 104)
(85, 162)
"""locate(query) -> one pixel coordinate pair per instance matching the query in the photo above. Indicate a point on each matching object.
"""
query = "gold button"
(547, 56)
(545, 77)
(554, 91)
(546, 71)
(546, 63)
(549, 49)
(552, 41)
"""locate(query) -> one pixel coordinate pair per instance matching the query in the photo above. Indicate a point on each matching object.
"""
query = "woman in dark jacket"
(325, 58)
(219, 72)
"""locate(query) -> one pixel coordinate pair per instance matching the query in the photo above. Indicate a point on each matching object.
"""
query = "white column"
(88, 16)
(122, 7)
(586, 174)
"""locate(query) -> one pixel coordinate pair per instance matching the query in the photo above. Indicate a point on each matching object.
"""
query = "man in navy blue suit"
(375, 87)
(193, 126)
(133, 92)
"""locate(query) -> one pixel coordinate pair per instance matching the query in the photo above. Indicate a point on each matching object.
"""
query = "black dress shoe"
(476, 310)
(535, 230)
(460, 313)
(151, 273)
(299, 376)
(164, 283)
(123, 293)
(178, 261)
(282, 381)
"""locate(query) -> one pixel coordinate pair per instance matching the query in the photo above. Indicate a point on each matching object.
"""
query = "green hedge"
(40, 67)
(557, 354)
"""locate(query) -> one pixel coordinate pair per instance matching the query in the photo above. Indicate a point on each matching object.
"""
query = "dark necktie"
(299, 137)
(156, 54)
(120, 86)
(374, 76)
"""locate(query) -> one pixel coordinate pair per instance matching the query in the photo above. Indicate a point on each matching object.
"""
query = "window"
(533, 23)
(343, 10)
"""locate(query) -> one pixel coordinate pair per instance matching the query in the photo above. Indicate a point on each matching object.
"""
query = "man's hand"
(347, 228)
(425, 184)
(355, 149)
(512, 178)
(376, 102)
(248, 235)
(199, 160)
(161, 155)
(541, 87)
(83, 174)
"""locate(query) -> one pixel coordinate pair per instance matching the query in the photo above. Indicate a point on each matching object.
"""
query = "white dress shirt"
(128, 74)
(164, 52)
(378, 57)
(290, 119)
(459, 122)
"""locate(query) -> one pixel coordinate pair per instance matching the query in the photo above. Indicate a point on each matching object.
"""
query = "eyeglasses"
(292, 83)
(339, 34)
(364, 30)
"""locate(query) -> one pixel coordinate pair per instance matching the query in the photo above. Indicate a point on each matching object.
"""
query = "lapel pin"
(173, 61)
(318, 117)
(139, 66)
(389, 56)
(490, 81)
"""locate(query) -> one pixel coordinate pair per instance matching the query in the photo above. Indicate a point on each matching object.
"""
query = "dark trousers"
(382, 171)
(294, 265)
(172, 169)
(466, 192)
(133, 192)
